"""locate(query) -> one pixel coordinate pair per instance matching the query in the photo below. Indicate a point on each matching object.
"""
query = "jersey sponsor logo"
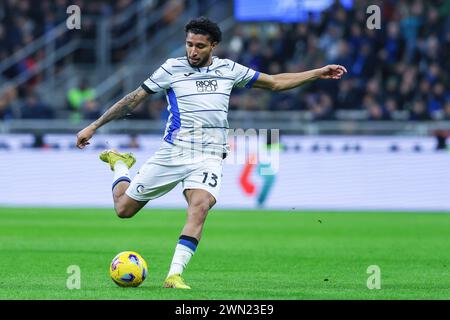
(219, 73)
(206, 85)
(140, 188)
(188, 74)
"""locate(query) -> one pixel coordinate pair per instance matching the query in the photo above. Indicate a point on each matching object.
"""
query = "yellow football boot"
(175, 281)
(111, 156)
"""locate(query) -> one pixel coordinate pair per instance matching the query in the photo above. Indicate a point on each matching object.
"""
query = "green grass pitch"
(242, 255)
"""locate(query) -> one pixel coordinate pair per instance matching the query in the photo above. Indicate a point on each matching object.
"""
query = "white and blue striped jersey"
(198, 100)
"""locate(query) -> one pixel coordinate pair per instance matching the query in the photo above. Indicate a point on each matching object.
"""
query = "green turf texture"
(242, 255)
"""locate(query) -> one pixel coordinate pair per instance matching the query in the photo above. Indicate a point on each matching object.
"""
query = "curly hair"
(203, 25)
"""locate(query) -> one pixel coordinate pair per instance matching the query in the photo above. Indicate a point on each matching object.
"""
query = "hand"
(332, 71)
(83, 137)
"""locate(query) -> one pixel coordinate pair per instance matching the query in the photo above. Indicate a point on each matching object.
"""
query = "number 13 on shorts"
(212, 177)
(207, 177)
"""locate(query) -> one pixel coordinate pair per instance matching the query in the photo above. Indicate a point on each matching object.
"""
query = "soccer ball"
(128, 269)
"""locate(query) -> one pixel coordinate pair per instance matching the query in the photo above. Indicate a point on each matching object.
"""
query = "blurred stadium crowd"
(400, 72)
(403, 66)
(23, 21)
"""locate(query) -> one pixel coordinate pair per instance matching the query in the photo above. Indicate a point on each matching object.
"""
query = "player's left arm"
(285, 81)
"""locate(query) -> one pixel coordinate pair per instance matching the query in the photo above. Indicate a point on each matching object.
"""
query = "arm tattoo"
(121, 108)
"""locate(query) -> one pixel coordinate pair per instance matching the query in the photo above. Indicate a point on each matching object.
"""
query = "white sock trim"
(120, 170)
(180, 259)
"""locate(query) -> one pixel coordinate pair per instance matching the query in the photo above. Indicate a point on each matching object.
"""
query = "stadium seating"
(400, 72)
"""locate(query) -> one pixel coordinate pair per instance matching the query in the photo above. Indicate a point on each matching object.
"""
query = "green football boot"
(175, 281)
(111, 156)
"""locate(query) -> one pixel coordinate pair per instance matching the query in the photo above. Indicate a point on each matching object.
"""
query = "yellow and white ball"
(128, 269)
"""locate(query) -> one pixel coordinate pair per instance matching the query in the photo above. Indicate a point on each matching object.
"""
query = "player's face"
(199, 49)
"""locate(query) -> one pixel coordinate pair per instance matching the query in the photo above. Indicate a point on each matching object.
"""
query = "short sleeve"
(160, 79)
(244, 76)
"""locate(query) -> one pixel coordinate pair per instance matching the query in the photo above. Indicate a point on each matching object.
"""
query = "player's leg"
(200, 190)
(199, 203)
(125, 206)
(120, 163)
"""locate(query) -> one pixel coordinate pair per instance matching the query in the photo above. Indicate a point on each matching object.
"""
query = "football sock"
(183, 252)
(121, 173)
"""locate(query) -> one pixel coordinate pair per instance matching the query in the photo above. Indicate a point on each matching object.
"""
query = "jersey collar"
(208, 68)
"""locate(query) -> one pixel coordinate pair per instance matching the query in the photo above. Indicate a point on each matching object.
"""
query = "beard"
(200, 63)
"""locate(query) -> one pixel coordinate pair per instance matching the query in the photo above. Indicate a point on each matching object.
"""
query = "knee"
(200, 206)
(124, 212)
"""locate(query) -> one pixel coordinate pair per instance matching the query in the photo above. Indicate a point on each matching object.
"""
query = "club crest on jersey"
(140, 188)
(206, 85)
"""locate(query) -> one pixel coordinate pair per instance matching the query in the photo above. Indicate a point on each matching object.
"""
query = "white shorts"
(171, 165)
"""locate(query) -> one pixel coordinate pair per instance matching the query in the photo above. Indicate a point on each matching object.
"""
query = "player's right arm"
(120, 109)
